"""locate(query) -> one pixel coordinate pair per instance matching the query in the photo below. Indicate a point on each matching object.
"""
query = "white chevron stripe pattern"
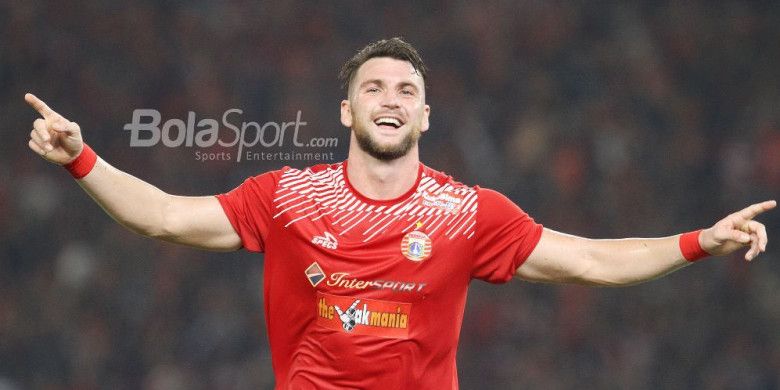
(304, 194)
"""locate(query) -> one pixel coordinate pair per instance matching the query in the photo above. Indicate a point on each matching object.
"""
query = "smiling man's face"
(386, 108)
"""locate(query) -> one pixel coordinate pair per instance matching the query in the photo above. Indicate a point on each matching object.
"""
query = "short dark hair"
(394, 48)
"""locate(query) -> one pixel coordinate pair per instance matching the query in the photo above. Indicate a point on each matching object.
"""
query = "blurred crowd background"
(599, 118)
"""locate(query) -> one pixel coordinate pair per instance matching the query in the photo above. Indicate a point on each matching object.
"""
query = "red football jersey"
(369, 294)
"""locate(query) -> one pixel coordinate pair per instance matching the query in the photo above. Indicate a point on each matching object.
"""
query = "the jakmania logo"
(364, 316)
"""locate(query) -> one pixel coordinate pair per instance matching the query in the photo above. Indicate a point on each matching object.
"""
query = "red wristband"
(690, 248)
(83, 164)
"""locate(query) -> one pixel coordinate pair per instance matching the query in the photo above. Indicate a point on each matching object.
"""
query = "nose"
(390, 99)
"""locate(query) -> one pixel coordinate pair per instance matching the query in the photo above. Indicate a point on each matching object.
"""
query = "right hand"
(53, 137)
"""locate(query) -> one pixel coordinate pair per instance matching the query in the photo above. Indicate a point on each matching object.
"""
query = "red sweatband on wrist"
(690, 248)
(83, 164)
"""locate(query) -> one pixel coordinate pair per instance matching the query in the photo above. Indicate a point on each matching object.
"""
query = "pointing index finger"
(753, 210)
(39, 106)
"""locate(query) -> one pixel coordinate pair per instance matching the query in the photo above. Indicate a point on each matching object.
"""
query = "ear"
(346, 114)
(426, 116)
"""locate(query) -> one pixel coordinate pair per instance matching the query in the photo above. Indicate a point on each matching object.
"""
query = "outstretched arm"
(137, 205)
(564, 258)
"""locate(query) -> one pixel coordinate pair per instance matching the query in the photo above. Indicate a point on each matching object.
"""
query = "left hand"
(736, 231)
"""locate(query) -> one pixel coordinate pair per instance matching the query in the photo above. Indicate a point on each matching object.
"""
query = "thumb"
(738, 236)
(67, 127)
(69, 136)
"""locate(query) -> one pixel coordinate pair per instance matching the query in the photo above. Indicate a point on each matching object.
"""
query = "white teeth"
(388, 121)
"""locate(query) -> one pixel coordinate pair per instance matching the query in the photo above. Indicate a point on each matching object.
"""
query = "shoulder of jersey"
(314, 169)
(324, 167)
(443, 178)
(321, 173)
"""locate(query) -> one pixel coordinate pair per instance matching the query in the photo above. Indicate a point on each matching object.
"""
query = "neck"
(382, 180)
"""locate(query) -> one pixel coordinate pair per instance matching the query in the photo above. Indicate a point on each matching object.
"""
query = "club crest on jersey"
(416, 246)
(315, 274)
(326, 240)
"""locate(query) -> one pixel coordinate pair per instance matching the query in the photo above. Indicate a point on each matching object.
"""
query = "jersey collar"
(384, 202)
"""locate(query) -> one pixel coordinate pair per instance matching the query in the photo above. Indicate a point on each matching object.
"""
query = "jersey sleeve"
(248, 207)
(505, 236)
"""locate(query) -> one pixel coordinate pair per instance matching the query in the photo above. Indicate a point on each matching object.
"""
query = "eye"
(407, 92)
(372, 90)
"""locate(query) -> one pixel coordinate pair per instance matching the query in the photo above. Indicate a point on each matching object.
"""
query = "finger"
(36, 137)
(39, 105)
(753, 210)
(36, 148)
(40, 127)
(758, 228)
(40, 143)
(753, 252)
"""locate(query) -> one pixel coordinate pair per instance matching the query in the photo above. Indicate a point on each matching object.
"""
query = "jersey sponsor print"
(314, 274)
(344, 280)
(326, 240)
(364, 316)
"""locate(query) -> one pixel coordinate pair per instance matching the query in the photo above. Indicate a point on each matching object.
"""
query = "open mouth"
(388, 122)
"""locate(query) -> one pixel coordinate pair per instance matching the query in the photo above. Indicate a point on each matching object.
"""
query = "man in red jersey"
(368, 261)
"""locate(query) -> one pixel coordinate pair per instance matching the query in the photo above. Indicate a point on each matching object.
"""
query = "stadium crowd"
(601, 119)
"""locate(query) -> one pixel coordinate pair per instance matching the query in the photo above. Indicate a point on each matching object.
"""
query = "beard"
(386, 152)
